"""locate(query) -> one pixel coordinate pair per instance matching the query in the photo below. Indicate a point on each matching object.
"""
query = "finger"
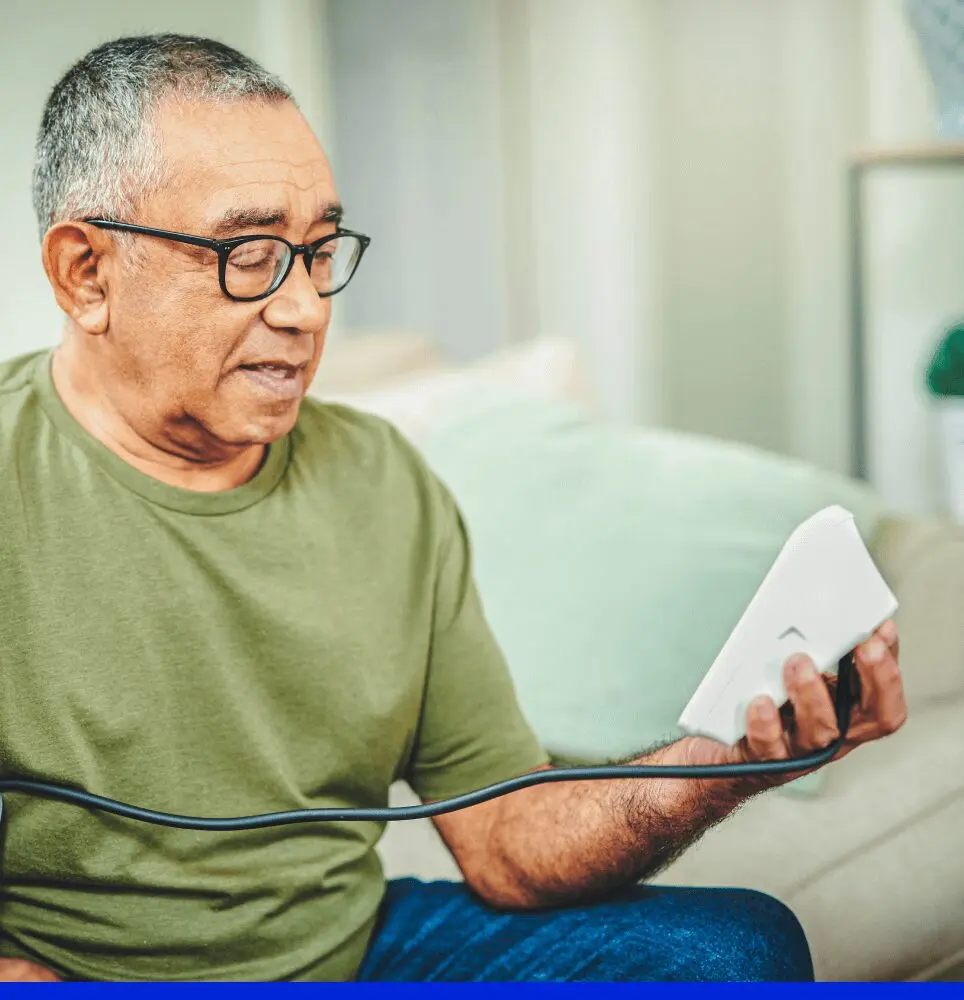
(888, 632)
(766, 738)
(882, 702)
(813, 711)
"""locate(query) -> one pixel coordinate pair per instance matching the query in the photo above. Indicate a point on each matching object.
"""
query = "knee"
(719, 935)
(762, 940)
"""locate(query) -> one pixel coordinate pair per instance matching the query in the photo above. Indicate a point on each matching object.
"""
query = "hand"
(809, 721)
(16, 970)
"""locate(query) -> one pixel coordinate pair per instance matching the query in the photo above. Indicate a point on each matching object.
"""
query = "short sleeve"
(472, 730)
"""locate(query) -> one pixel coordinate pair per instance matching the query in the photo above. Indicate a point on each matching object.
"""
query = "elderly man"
(221, 598)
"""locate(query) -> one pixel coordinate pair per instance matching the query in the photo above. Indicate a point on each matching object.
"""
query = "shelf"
(931, 154)
(861, 162)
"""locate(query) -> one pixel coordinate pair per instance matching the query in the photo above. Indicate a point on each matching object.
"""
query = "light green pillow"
(613, 561)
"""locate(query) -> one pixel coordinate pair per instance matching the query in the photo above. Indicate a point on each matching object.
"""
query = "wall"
(417, 154)
(724, 212)
(500, 149)
(761, 108)
(594, 210)
(915, 266)
(661, 182)
(40, 40)
(821, 119)
(764, 105)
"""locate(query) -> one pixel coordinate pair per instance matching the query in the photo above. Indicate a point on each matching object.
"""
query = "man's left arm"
(559, 843)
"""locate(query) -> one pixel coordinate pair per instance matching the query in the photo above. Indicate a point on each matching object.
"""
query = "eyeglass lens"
(255, 267)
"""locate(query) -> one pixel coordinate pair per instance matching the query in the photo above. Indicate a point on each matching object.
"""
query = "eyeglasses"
(253, 267)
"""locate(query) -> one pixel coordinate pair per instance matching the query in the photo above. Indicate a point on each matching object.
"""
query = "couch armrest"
(923, 563)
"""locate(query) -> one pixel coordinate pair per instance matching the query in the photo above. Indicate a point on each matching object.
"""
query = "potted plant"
(945, 382)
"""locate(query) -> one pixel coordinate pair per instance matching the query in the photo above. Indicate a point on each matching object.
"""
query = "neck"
(209, 469)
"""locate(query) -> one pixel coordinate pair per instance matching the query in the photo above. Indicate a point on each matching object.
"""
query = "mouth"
(277, 377)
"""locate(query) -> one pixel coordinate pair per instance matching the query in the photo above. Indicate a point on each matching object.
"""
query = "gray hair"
(96, 152)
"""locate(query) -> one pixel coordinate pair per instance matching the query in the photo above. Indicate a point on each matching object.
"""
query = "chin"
(264, 429)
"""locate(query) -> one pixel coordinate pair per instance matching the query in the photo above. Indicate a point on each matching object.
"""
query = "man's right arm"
(564, 842)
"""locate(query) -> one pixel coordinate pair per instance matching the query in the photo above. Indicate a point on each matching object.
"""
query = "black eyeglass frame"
(223, 248)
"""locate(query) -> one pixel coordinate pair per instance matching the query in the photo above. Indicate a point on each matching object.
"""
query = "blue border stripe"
(666, 990)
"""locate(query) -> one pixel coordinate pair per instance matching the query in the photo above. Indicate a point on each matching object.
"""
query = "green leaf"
(945, 373)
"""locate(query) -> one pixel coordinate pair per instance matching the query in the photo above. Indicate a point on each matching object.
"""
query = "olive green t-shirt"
(301, 641)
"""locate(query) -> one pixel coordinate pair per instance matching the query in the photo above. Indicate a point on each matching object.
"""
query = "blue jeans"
(441, 931)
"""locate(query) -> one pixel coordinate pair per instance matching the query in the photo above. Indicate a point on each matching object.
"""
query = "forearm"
(559, 842)
(567, 841)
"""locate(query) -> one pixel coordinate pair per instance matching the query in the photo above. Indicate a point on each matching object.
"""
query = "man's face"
(188, 368)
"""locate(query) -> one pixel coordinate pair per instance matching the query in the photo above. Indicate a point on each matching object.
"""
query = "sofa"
(866, 858)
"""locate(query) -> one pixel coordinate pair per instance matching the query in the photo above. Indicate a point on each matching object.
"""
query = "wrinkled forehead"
(242, 164)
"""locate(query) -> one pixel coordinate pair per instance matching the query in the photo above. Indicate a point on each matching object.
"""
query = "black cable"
(847, 692)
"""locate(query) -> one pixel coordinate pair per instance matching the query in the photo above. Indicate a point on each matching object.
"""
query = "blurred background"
(662, 182)
(732, 232)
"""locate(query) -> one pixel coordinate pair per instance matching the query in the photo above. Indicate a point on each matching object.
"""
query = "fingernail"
(762, 708)
(802, 669)
(874, 651)
(888, 632)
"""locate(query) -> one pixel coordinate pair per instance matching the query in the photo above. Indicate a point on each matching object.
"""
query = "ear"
(77, 259)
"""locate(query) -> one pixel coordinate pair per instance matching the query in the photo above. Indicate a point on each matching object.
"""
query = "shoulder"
(374, 479)
(17, 388)
(16, 376)
(20, 436)
(369, 438)
(338, 423)
(368, 448)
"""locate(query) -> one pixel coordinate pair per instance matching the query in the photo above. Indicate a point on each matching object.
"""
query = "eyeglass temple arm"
(167, 234)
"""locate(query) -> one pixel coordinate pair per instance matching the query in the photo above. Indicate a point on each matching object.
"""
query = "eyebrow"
(237, 219)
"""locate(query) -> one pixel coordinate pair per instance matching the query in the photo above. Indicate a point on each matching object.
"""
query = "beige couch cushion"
(412, 846)
(923, 561)
(415, 402)
(358, 362)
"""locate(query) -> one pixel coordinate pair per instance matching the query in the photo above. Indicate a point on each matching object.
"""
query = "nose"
(296, 306)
